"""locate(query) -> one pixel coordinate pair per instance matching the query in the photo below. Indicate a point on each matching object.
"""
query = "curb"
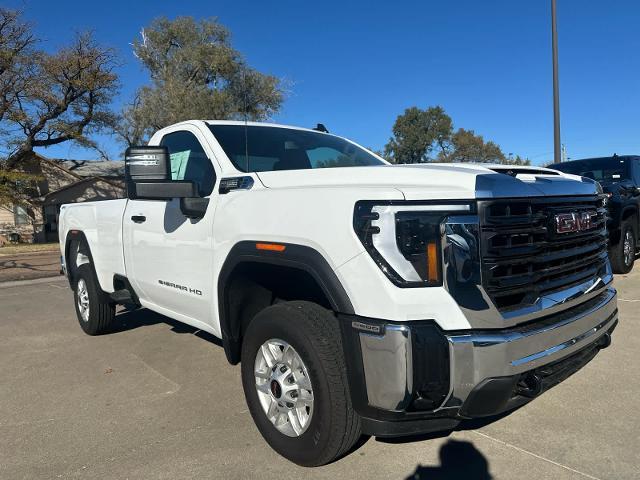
(37, 252)
(33, 281)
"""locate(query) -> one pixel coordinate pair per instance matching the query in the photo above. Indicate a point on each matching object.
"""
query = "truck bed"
(101, 224)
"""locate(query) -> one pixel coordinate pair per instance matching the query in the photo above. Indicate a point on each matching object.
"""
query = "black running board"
(124, 293)
(121, 296)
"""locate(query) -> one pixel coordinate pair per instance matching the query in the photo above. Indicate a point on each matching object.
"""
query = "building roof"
(93, 168)
(46, 199)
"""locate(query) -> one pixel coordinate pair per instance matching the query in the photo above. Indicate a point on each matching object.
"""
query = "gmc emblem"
(574, 222)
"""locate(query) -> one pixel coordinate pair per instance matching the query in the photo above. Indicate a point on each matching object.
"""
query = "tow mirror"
(147, 172)
(147, 163)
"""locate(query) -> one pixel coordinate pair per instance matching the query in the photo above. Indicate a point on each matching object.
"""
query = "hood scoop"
(528, 171)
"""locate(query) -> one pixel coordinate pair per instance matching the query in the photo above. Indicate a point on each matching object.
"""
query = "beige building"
(62, 181)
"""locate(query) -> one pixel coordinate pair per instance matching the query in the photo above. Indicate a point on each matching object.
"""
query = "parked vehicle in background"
(358, 296)
(619, 176)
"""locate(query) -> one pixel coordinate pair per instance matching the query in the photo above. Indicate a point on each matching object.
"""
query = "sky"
(355, 66)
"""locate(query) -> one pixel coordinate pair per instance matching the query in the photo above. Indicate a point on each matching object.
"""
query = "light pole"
(556, 93)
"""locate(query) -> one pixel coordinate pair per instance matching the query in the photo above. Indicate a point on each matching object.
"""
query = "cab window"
(189, 161)
(254, 148)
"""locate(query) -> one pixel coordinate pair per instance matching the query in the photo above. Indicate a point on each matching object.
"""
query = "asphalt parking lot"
(156, 399)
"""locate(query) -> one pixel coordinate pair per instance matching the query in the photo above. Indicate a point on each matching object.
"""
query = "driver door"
(168, 256)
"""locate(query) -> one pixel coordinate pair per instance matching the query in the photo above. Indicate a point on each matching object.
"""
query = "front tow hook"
(529, 386)
(604, 341)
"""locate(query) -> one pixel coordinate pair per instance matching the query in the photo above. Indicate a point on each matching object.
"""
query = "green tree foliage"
(416, 133)
(195, 73)
(466, 146)
(16, 42)
(48, 98)
(427, 135)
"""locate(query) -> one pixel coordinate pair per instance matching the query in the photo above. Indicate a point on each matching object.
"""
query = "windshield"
(277, 148)
(609, 169)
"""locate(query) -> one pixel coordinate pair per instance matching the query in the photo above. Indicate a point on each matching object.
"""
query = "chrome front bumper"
(476, 356)
(480, 355)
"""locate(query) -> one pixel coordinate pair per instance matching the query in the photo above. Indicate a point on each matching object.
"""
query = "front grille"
(524, 257)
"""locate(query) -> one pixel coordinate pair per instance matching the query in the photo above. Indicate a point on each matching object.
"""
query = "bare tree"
(66, 99)
(47, 99)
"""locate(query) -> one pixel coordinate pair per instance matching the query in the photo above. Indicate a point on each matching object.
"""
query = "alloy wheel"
(628, 248)
(284, 388)
(83, 299)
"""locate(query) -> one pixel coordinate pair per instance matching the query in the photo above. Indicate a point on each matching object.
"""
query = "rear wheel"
(94, 309)
(623, 254)
(294, 379)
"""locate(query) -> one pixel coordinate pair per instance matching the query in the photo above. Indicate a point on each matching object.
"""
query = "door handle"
(139, 218)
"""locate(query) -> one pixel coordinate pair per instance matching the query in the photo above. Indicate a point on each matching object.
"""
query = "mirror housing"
(162, 190)
(147, 172)
(194, 207)
(142, 163)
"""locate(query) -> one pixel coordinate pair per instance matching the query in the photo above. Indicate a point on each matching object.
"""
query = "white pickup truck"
(360, 297)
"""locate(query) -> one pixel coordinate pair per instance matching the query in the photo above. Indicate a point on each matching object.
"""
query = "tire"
(100, 313)
(623, 257)
(313, 333)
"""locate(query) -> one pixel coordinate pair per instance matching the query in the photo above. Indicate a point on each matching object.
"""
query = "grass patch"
(11, 249)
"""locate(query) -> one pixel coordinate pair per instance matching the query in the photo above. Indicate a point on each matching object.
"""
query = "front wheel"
(623, 254)
(295, 383)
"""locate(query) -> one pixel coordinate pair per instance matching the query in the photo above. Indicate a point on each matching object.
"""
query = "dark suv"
(619, 176)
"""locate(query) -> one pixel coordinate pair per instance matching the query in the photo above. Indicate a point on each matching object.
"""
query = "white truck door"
(168, 256)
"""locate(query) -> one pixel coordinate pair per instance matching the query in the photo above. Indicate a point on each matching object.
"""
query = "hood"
(442, 181)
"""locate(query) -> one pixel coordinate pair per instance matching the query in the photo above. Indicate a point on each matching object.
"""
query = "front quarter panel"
(319, 218)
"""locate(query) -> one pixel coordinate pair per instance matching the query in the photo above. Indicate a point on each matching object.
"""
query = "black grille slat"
(549, 255)
(522, 255)
(502, 250)
(551, 286)
(515, 220)
(547, 272)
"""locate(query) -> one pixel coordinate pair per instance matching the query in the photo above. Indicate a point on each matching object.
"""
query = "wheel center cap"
(276, 389)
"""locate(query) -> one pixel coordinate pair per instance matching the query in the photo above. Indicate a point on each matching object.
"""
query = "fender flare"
(79, 236)
(293, 256)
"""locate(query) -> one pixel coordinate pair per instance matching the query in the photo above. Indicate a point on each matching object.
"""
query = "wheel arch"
(76, 237)
(252, 279)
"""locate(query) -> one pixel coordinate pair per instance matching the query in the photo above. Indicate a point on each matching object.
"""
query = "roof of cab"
(259, 124)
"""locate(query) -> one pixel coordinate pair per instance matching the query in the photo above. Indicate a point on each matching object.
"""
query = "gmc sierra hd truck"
(359, 297)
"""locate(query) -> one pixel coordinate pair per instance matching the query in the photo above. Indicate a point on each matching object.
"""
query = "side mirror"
(147, 163)
(147, 172)
(194, 207)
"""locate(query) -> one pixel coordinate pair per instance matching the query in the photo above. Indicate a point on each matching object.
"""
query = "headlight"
(404, 238)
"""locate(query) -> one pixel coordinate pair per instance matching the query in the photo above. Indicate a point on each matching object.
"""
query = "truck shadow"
(458, 460)
(131, 319)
